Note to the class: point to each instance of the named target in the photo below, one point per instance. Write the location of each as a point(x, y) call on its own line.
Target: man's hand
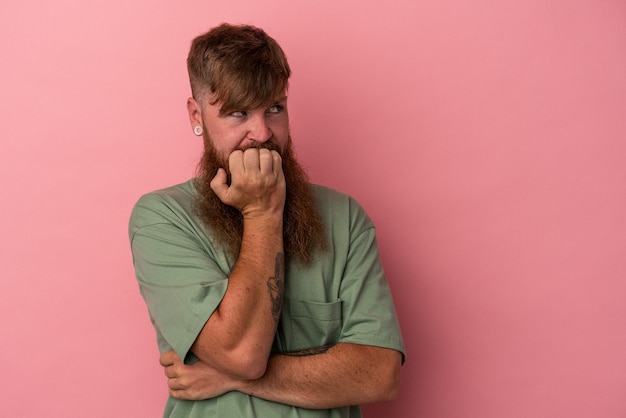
point(193, 382)
point(257, 182)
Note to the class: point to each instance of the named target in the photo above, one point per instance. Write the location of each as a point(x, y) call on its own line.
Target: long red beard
point(304, 234)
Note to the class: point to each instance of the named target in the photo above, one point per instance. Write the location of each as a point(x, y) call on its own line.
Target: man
point(266, 292)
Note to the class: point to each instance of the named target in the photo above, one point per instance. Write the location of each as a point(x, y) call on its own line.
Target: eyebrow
point(278, 99)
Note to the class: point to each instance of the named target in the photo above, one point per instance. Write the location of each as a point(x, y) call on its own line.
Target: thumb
point(219, 184)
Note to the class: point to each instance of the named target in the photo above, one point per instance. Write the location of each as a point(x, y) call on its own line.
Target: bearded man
point(266, 292)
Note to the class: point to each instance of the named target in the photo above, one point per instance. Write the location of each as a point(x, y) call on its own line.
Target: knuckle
point(251, 152)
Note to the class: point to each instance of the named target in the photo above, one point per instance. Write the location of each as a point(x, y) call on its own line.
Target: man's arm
point(237, 338)
point(345, 374)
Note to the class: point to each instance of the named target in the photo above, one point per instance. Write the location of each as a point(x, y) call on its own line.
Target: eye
point(277, 108)
point(238, 113)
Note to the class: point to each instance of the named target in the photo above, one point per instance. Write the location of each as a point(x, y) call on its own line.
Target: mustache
point(263, 145)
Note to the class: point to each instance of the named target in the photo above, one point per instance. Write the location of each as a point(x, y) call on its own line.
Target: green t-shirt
point(342, 296)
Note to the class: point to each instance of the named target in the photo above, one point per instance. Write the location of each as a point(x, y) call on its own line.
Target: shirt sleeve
point(180, 282)
point(369, 315)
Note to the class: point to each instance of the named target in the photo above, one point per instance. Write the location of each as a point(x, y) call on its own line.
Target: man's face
point(242, 128)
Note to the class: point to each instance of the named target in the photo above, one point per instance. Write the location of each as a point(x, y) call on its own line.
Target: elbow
point(391, 389)
point(251, 367)
point(388, 390)
point(389, 386)
point(248, 362)
point(239, 364)
point(240, 361)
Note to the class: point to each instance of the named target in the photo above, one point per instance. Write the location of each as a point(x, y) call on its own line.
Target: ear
point(195, 112)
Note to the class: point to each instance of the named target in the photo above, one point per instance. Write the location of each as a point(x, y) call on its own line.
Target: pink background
point(486, 138)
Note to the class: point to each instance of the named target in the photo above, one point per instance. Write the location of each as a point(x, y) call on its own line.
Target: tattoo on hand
point(276, 286)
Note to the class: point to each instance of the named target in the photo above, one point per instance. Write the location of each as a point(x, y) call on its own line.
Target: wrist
point(249, 387)
point(264, 221)
point(266, 215)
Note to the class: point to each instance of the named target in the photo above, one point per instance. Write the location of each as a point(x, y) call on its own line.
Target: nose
point(259, 130)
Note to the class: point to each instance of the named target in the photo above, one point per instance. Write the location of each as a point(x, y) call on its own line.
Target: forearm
point(238, 336)
point(345, 374)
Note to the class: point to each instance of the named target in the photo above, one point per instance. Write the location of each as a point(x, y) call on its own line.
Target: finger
point(168, 358)
point(174, 384)
point(251, 160)
point(170, 372)
point(266, 161)
point(277, 164)
point(219, 183)
point(180, 394)
point(235, 162)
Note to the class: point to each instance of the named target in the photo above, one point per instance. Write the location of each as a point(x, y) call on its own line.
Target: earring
point(197, 130)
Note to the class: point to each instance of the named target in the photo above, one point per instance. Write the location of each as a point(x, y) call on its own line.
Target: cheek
point(281, 131)
point(226, 141)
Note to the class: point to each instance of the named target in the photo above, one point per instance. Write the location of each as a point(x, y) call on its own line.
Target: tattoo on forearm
point(276, 286)
point(309, 351)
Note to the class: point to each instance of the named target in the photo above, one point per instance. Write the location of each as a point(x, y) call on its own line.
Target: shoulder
point(328, 196)
point(164, 205)
point(339, 208)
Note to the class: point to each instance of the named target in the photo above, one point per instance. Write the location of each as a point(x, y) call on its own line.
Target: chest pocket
point(307, 324)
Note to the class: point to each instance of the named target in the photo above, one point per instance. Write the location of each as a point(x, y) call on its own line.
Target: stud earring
point(197, 130)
